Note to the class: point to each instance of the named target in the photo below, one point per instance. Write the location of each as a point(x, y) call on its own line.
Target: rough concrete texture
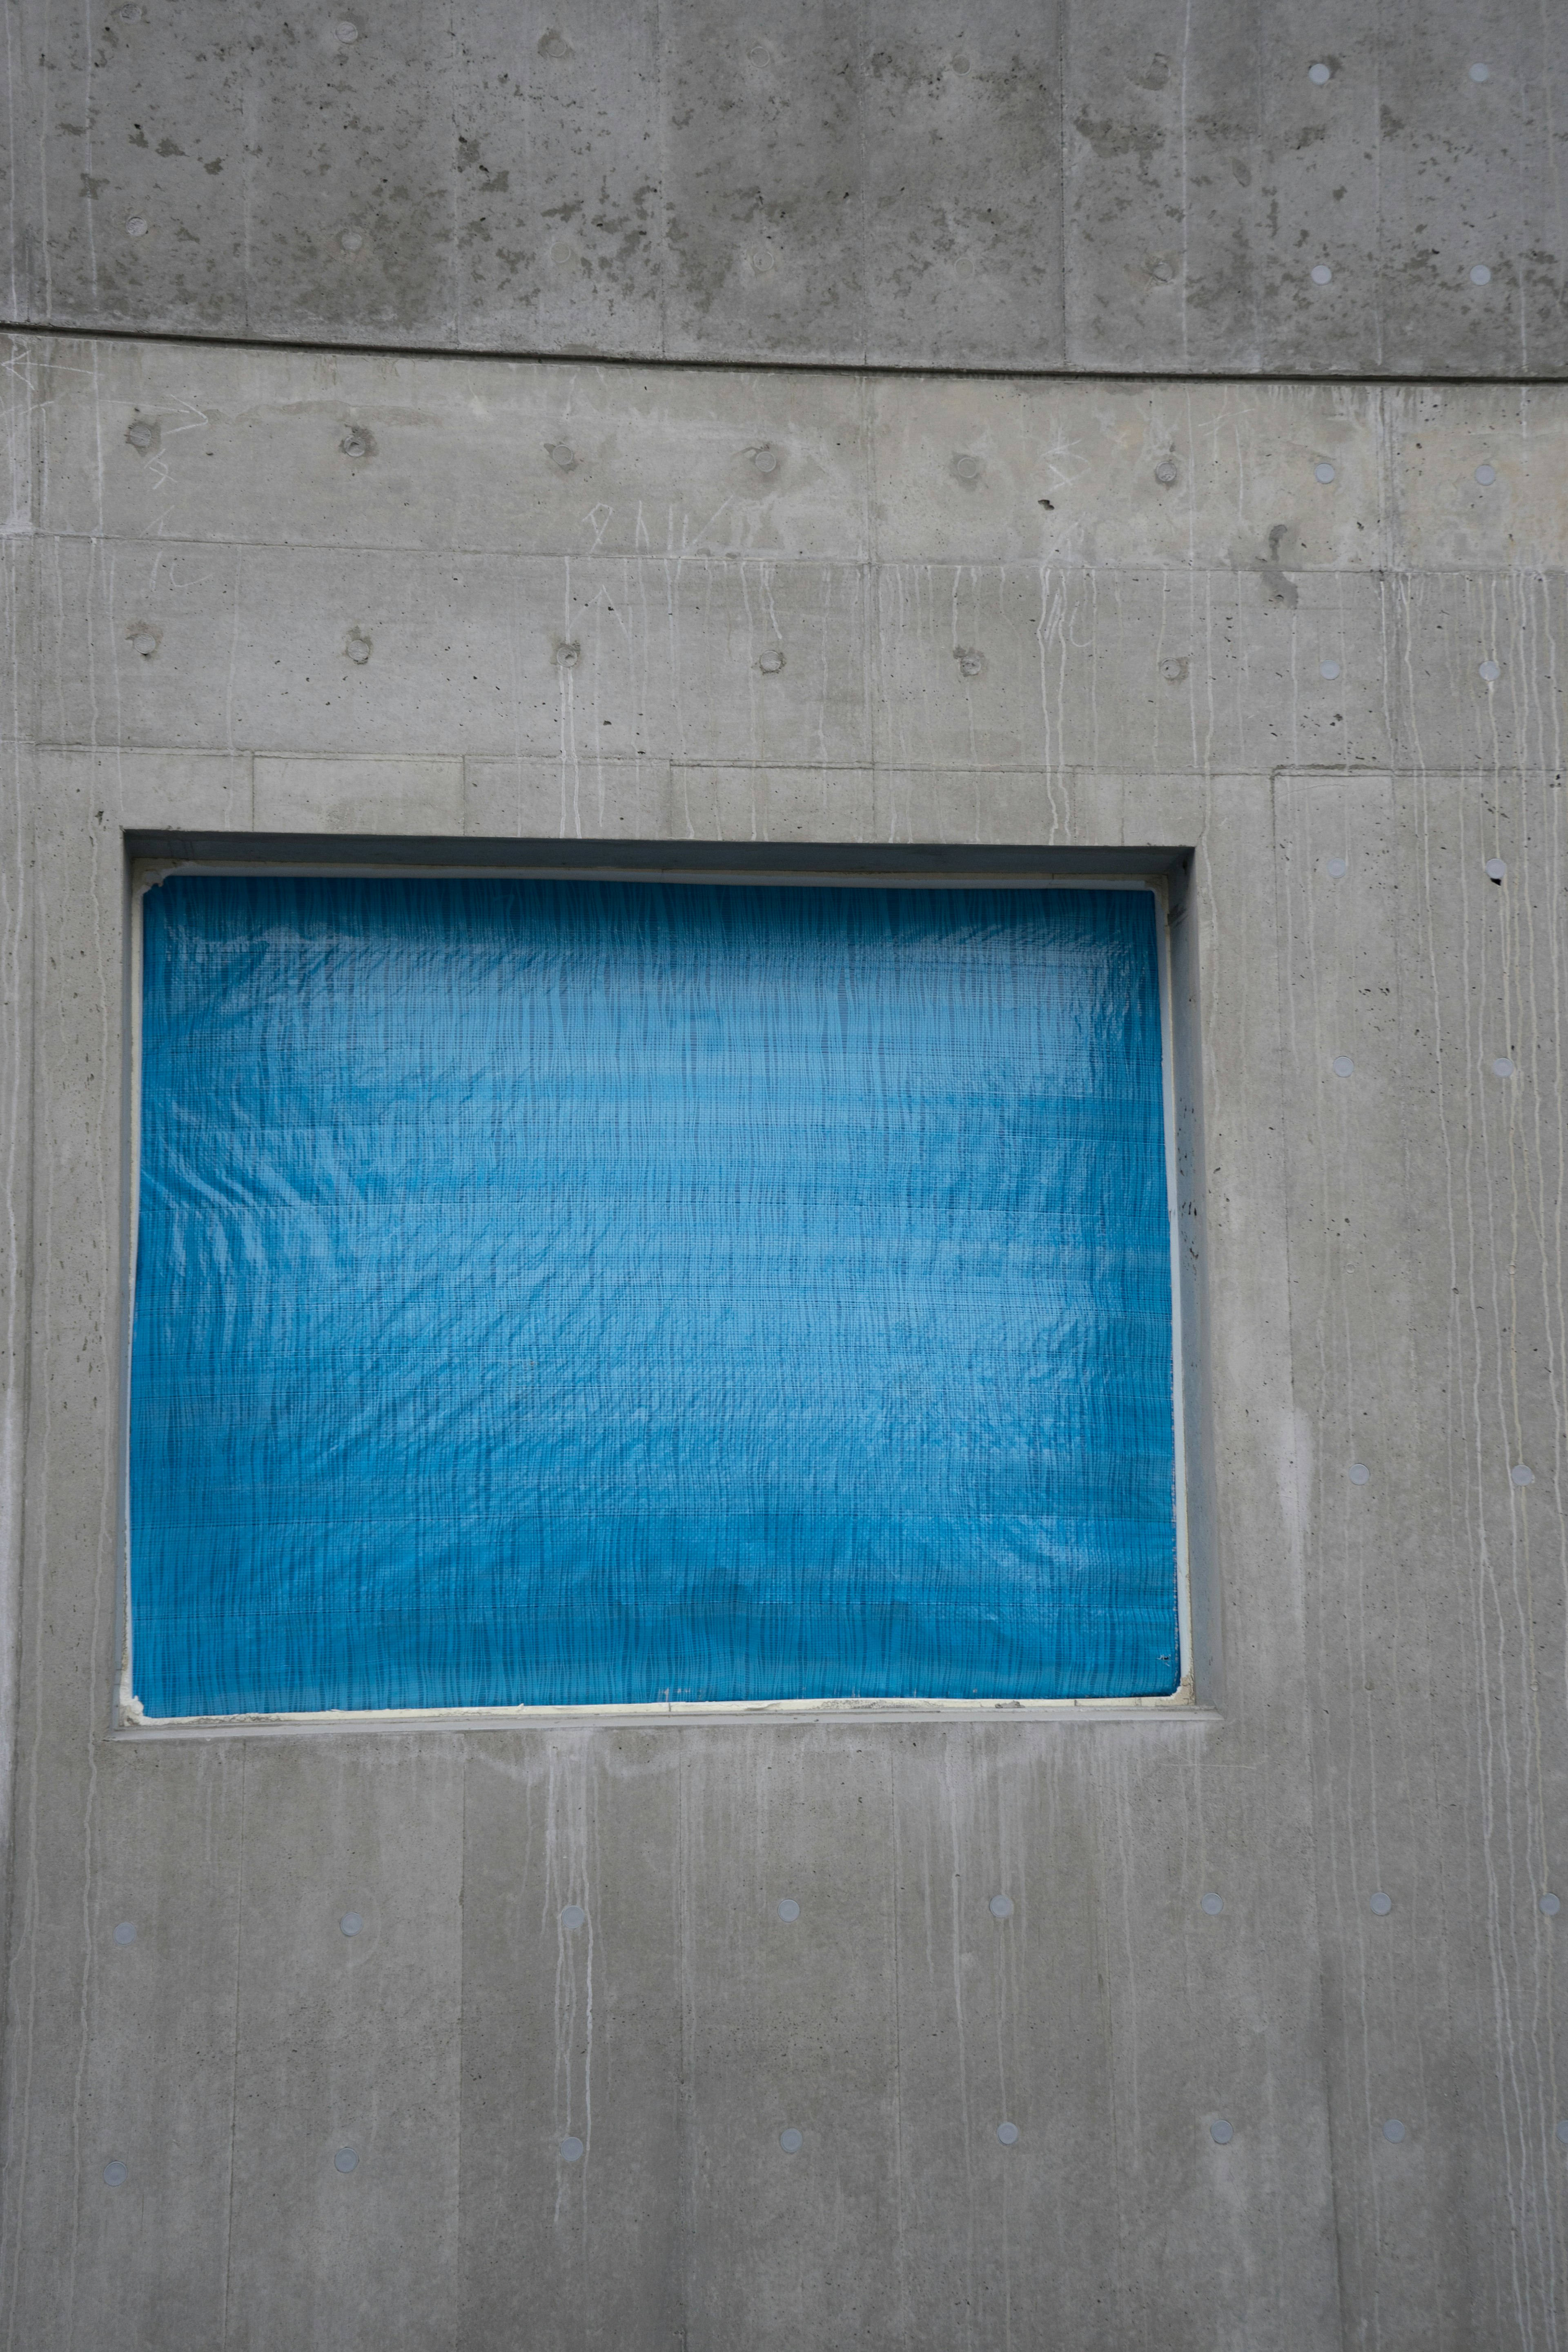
point(1376, 1256)
point(1064, 186)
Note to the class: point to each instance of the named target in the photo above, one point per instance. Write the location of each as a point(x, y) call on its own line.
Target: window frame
point(1162, 873)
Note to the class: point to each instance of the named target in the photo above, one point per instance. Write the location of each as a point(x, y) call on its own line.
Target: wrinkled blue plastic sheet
point(575, 1291)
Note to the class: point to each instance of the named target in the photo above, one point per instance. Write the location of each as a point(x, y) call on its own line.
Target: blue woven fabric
point(580, 1291)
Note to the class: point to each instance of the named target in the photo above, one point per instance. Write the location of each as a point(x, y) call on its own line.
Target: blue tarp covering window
point(576, 1291)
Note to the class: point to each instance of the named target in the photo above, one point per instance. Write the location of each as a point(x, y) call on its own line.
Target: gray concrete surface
point(1065, 186)
point(1376, 1277)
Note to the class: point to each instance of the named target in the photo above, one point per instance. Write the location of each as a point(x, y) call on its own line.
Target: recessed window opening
point(556, 1292)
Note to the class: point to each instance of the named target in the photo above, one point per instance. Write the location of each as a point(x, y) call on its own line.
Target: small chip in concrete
point(773, 661)
point(1008, 2134)
point(1222, 2133)
point(1337, 867)
point(789, 1909)
point(1394, 2129)
point(1485, 476)
point(1001, 1907)
point(1318, 73)
point(1480, 275)
point(115, 2173)
point(345, 2159)
point(1358, 1474)
point(136, 225)
point(573, 1915)
point(1502, 1067)
point(1480, 73)
point(1321, 274)
point(766, 459)
point(1344, 1066)
point(126, 1932)
point(1382, 1905)
point(1491, 670)
point(571, 2150)
point(351, 1923)
point(1214, 1905)
point(791, 2141)
point(1323, 471)
point(1523, 1475)
point(1496, 869)
point(1328, 669)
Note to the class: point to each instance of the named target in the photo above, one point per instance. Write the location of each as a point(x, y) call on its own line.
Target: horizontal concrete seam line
point(1396, 770)
point(1402, 770)
point(742, 365)
point(407, 547)
point(422, 760)
point(718, 559)
point(554, 760)
point(66, 747)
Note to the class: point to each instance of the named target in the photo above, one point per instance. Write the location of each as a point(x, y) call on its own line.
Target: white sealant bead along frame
point(129, 1722)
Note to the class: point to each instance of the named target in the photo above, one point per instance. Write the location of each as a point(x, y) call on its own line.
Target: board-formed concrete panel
point(894, 589)
point(1063, 186)
point(364, 654)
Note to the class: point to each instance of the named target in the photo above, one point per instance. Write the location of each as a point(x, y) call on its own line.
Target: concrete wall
point(1378, 1258)
point(318, 600)
point(1065, 185)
